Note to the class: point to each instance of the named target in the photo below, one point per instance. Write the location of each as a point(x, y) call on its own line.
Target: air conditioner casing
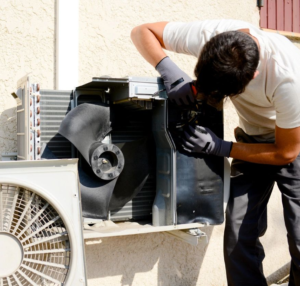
point(54, 182)
point(156, 203)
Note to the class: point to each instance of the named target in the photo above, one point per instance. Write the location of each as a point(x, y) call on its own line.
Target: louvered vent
point(54, 107)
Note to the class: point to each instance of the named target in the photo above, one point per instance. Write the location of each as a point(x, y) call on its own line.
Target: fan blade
point(84, 125)
point(95, 193)
point(139, 156)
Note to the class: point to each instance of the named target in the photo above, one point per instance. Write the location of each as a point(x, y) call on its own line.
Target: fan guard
point(35, 247)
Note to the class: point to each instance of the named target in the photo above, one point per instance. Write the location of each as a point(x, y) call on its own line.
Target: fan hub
point(107, 161)
point(11, 254)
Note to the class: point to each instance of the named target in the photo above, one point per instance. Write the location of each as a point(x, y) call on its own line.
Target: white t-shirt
point(273, 97)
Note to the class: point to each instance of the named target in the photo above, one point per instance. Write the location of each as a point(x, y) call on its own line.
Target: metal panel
point(25, 140)
point(165, 202)
point(296, 16)
point(124, 89)
point(272, 14)
point(288, 5)
point(54, 106)
point(264, 15)
point(281, 15)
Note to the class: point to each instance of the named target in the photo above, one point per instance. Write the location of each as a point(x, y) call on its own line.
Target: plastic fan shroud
point(34, 241)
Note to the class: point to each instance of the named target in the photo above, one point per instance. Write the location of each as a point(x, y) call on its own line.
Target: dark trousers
point(246, 219)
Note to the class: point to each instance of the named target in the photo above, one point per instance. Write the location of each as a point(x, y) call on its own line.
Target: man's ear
point(255, 74)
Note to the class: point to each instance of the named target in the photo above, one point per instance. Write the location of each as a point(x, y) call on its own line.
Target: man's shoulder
point(213, 24)
point(190, 37)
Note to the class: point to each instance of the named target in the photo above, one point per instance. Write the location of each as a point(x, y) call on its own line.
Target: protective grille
point(41, 232)
point(134, 124)
point(140, 207)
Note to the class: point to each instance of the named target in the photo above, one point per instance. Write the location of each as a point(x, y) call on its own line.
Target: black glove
point(203, 140)
point(177, 83)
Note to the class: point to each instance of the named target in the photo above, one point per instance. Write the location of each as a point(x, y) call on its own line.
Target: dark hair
point(225, 66)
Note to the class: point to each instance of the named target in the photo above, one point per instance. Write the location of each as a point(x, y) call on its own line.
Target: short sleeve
point(184, 38)
point(190, 38)
point(286, 101)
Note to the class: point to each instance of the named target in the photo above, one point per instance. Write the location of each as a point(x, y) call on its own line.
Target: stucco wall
point(27, 44)
point(27, 41)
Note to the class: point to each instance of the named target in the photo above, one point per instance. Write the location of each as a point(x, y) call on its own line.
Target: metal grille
point(140, 207)
point(137, 124)
point(31, 221)
point(54, 107)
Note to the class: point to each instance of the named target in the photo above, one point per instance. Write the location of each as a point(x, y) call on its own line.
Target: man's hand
point(203, 140)
point(177, 83)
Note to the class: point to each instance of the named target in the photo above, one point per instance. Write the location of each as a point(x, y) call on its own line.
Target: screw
point(105, 148)
point(120, 166)
point(95, 157)
point(98, 171)
point(110, 175)
point(117, 153)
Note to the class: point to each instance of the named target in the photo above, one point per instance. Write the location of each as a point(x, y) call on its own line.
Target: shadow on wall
point(139, 259)
point(8, 133)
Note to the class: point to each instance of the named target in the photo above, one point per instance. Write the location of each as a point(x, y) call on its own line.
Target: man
point(260, 72)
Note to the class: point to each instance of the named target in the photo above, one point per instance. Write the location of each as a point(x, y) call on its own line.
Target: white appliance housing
point(41, 241)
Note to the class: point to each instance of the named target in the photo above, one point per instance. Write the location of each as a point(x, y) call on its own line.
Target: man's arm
point(285, 149)
point(148, 39)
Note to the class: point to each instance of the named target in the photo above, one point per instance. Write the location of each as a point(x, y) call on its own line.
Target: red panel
point(280, 15)
point(288, 15)
point(272, 14)
point(296, 12)
point(264, 15)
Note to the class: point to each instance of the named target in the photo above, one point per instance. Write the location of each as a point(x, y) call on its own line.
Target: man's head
point(225, 66)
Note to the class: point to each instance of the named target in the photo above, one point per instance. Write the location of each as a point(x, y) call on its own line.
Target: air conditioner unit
point(157, 183)
point(41, 241)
